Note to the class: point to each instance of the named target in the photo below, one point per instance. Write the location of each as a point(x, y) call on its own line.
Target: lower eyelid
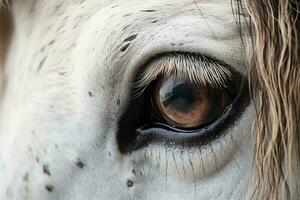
point(167, 135)
point(190, 163)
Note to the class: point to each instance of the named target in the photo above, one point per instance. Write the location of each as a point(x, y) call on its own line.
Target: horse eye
point(186, 105)
point(181, 99)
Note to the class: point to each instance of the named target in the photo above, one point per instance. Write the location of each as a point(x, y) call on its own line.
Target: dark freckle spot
point(37, 159)
point(153, 22)
point(128, 14)
point(133, 171)
point(46, 170)
point(90, 93)
point(123, 48)
point(137, 172)
point(79, 164)
point(56, 146)
point(41, 64)
point(74, 44)
point(126, 27)
point(49, 187)
point(130, 38)
point(118, 102)
point(51, 42)
point(114, 6)
point(32, 8)
point(57, 6)
point(62, 73)
point(109, 154)
point(148, 10)
point(173, 44)
point(129, 183)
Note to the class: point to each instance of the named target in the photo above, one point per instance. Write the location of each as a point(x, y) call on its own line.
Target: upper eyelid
point(195, 68)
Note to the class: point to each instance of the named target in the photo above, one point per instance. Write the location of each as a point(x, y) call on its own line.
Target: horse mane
point(274, 75)
point(5, 28)
point(5, 35)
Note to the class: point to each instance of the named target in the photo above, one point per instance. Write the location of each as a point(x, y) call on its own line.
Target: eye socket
point(181, 99)
point(186, 105)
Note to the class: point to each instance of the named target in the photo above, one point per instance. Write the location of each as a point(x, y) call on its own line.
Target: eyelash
point(196, 68)
point(135, 134)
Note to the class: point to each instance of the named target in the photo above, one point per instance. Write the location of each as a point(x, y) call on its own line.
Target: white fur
point(61, 51)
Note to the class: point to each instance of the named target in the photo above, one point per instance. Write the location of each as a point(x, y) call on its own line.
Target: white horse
point(83, 79)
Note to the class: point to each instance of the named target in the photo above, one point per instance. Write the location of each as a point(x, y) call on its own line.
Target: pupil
point(177, 94)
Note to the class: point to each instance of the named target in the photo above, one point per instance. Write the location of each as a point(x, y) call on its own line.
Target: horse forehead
point(67, 35)
point(67, 19)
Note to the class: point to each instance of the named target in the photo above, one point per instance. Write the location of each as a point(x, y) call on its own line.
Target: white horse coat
point(68, 76)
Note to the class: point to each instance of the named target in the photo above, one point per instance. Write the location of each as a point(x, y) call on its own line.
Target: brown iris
point(186, 105)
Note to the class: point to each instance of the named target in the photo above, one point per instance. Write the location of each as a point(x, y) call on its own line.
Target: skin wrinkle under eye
point(190, 156)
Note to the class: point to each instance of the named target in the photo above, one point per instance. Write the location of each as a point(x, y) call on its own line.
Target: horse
point(130, 99)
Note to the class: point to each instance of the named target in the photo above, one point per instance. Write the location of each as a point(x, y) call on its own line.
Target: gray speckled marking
point(86, 54)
